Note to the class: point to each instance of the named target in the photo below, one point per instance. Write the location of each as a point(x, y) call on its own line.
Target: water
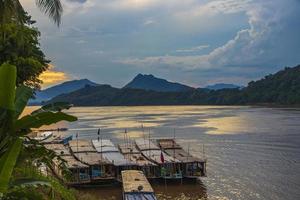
point(252, 152)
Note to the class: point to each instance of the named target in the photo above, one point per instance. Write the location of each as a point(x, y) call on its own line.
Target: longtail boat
point(193, 167)
point(131, 153)
point(170, 168)
point(79, 170)
point(101, 169)
point(111, 153)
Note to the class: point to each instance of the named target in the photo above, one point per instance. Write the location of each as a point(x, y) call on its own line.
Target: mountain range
point(281, 88)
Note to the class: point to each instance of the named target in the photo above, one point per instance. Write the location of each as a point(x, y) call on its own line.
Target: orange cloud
point(52, 77)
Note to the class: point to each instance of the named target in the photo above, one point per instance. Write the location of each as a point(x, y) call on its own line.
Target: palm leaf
point(52, 8)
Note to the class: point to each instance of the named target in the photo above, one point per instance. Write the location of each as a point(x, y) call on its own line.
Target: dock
point(136, 186)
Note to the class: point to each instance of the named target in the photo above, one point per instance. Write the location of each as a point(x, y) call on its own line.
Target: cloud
point(52, 77)
point(193, 49)
point(253, 46)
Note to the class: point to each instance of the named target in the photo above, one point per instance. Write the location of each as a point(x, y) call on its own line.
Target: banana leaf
point(23, 94)
point(44, 118)
point(7, 163)
point(54, 107)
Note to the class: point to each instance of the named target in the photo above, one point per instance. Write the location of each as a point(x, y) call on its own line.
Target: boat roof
point(168, 144)
point(91, 158)
point(72, 163)
point(103, 143)
point(116, 158)
point(140, 196)
point(139, 159)
point(134, 181)
point(155, 156)
point(104, 146)
point(81, 145)
point(59, 149)
point(182, 155)
point(145, 144)
point(128, 149)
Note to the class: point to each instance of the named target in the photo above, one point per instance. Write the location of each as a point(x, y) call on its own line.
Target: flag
point(162, 159)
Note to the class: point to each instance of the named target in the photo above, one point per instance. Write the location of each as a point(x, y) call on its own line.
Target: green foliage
point(14, 129)
point(19, 46)
point(12, 10)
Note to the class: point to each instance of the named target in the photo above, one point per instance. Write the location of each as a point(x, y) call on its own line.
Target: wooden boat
point(193, 167)
point(43, 136)
point(101, 169)
point(111, 153)
point(170, 168)
point(131, 153)
point(79, 170)
point(136, 186)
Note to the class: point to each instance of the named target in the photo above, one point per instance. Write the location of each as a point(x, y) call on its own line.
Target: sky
point(195, 42)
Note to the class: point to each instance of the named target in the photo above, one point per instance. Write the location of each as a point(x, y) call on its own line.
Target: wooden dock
point(136, 186)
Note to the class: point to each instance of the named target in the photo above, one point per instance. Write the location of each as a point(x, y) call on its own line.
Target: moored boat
point(110, 152)
point(192, 166)
point(136, 186)
point(131, 153)
point(101, 169)
point(170, 168)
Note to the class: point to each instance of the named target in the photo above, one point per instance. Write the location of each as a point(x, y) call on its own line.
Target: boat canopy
point(104, 146)
point(59, 149)
point(81, 146)
point(145, 144)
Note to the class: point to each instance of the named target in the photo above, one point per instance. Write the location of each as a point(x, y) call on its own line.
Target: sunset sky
point(196, 42)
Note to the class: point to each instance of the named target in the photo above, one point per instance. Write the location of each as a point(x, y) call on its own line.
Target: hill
point(220, 86)
point(65, 87)
point(150, 82)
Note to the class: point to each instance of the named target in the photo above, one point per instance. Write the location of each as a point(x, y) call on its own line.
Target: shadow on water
point(177, 191)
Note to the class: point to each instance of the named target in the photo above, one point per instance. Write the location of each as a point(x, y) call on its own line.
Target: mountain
point(150, 82)
point(281, 88)
point(65, 87)
point(220, 86)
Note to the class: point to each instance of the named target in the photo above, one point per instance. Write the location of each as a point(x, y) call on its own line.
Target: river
point(252, 152)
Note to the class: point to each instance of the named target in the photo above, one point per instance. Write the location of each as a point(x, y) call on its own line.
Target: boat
point(170, 168)
point(193, 167)
point(136, 186)
point(43, 136)
point(131, 153)
point(110, 152)
point(101, 169)
point(79, 171)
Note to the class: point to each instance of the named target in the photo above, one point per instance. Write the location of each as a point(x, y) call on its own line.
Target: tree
point(19, 45)
point(13, 128)
point(12, 10)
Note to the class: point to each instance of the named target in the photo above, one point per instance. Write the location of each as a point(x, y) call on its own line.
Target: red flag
point(162, 159)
